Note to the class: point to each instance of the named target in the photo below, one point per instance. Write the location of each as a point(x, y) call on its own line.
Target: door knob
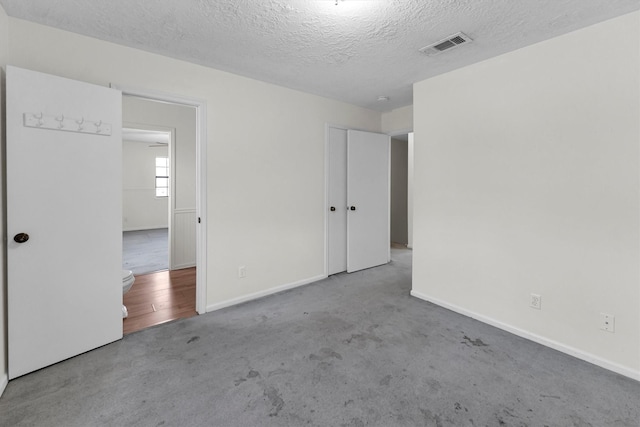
point(21, 237)
point(353, 208)
point(332, 209)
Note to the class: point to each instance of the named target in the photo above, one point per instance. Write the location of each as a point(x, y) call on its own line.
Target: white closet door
point(64, 163)
point(337, 224)
point(368, 200)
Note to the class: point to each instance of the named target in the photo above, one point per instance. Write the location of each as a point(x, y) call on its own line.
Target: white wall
point(183, 120)
point(4, 53)
point(141, 209)
point(265, 160)
point(526, 181)
point(398, 120)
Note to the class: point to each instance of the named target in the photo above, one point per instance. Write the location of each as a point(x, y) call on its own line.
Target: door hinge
point(198, 220)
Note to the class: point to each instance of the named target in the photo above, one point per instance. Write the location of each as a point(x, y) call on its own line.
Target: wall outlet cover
point(535, 301)
point(607, 322)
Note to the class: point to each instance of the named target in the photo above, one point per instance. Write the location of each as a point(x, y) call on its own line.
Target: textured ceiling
point(354, 52)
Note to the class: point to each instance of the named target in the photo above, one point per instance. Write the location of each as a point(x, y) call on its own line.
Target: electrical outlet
point(607, 322)
point(535, 301)
point(242, 271)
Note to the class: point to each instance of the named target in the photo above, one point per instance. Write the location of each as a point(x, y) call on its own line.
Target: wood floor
point(160, 297)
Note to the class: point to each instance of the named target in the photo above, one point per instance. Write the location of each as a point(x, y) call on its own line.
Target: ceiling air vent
point(448, 43)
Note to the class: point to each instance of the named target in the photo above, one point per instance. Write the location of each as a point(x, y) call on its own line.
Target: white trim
point(388, 198)
point(588, 357)
point(261, 294)
point(326, 198)
point(172, 195)
point(183, 266)
point(410, 187)
point(344, 127)
point(400, 132)
point(201, 178)
point(4, 380)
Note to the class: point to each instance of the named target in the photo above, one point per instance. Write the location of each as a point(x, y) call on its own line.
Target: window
point(162, 177)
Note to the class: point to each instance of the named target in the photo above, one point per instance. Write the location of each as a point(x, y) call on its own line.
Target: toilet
point(127, 282)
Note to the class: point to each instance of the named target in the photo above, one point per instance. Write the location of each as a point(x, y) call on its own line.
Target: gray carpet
point(352, 350)
point(145, 251)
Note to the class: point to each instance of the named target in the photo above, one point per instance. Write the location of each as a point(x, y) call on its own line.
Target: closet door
point(358, 200)
point(337, 198)
point(64, 213)
point(368, 243)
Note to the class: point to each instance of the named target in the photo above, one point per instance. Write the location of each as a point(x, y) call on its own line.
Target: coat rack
point(67, 124)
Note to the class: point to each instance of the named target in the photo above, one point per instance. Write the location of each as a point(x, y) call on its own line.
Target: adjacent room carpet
point(351, 350)
point(145, 251)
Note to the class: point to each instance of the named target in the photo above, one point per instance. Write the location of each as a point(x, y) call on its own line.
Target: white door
point(337, 182)
point(368, 242)
point(358, 200)
point(64, 151)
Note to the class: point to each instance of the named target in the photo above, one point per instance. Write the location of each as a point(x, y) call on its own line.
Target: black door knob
point(332, 209)
point(21, 237)
point(353, 208)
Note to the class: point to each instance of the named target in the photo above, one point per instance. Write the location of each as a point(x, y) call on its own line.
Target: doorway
point(399, 235)
point(401, 211)
point(357, 200)
point(159, 210)
point(186, 273)
point(75, 129)
point(146, 177)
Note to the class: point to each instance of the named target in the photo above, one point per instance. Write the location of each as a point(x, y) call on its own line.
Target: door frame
point(201, 178)
point(409, 182)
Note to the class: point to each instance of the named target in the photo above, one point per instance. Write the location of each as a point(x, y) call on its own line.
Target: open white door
point(64, 151)
point(368, 242)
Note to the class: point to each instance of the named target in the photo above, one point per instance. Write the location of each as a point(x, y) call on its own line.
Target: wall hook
point(68, 124)
point(60, 121)
point(39, 118)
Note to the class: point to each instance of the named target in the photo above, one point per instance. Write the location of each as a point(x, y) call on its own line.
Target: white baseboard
point(183, 266)
point(588, 357)
point(256, 295)
point(4, 380)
